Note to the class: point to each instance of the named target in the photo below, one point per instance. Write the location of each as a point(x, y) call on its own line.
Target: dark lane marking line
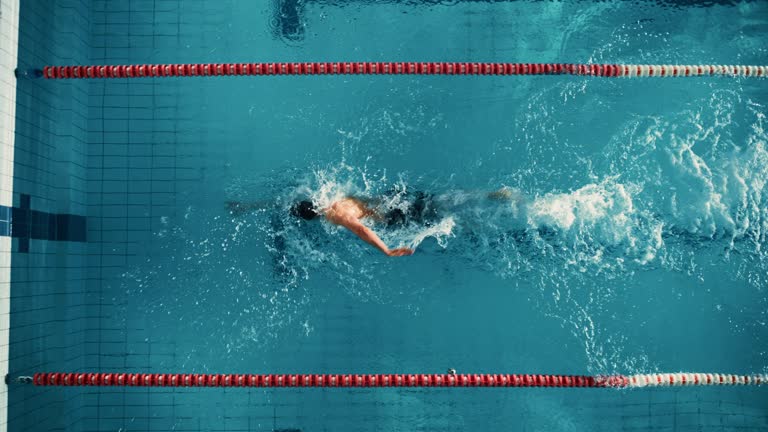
point(24, 223)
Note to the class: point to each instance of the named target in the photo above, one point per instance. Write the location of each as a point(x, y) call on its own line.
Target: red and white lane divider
point(396, 380)
point(399, 68)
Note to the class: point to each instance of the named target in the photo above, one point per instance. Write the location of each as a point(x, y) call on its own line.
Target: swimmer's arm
point(370, 237)
point(238, 208)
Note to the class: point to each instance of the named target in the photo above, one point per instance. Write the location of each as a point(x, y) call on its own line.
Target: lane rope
point(69, 379)
point(398, 68)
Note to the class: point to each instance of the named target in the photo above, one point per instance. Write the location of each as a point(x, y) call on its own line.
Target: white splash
point(439, 232)
point(605, 208)
point(595, 217)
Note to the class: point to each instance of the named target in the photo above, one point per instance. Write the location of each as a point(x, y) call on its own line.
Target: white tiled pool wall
point(9, 29)
point(9, 22)
point(49, 309)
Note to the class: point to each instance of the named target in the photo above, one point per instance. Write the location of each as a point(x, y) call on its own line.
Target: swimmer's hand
point(399, 252)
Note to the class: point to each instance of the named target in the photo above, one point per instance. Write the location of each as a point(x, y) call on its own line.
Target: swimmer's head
point(305, 210)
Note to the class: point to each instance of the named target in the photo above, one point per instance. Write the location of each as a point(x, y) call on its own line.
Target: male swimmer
point(349, 212)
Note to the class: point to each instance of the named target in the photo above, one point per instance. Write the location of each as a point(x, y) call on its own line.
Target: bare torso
point(347, 208)
point(348, 212)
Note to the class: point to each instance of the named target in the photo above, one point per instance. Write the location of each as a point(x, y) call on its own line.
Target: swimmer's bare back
point(348, 212)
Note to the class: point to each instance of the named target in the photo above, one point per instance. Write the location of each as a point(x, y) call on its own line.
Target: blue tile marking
point(25, 224)
point(21, 227)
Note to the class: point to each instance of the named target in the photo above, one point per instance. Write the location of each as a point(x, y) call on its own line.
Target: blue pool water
point(636, 241)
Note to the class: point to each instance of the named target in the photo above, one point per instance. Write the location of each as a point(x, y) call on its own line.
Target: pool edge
point(9, 27)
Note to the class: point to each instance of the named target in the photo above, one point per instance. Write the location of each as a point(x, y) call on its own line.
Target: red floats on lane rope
point(69, 379)
point(398, 68)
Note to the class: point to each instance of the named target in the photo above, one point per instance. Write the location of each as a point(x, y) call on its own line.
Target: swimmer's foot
point(503, 194)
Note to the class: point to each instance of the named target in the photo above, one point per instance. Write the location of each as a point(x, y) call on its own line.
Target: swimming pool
point(636, 244)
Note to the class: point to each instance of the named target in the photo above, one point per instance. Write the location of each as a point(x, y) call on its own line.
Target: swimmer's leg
point(511, 199)
point(505, 194)
point(238, 208)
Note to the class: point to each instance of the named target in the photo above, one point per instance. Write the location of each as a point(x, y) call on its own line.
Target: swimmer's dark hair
point(305, 210)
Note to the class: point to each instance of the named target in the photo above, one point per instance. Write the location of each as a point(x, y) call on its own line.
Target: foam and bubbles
point(603, 213)
point(699, 178)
